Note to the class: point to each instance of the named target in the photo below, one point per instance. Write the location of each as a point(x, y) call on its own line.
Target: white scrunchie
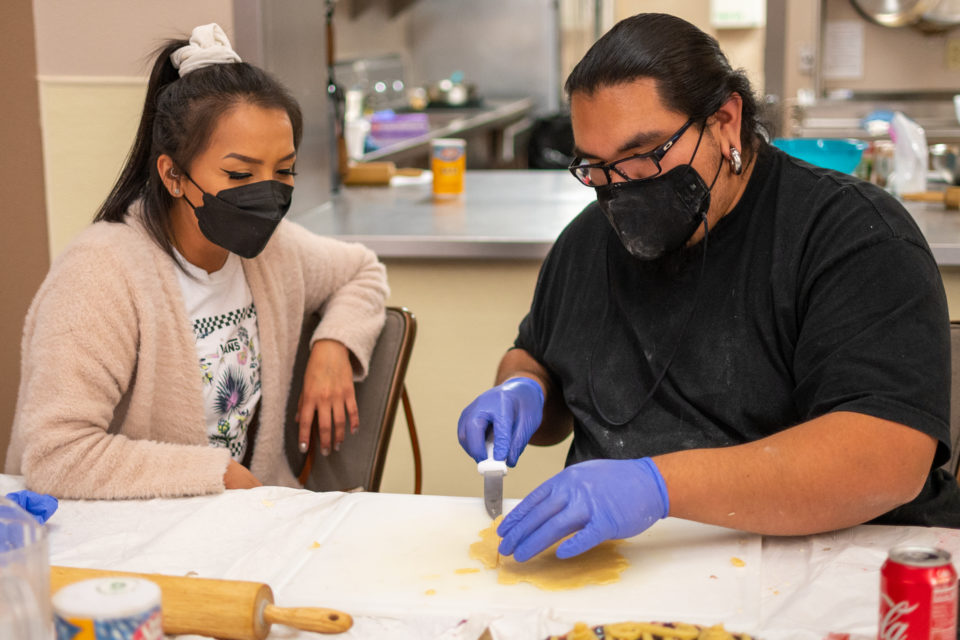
point(208, 45)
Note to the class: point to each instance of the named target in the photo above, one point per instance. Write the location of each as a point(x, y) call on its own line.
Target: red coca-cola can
point(918, 595)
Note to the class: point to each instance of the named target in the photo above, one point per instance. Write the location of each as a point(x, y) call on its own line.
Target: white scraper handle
point(490, 465)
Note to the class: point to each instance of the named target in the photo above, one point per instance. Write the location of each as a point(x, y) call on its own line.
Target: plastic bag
point(910, 155)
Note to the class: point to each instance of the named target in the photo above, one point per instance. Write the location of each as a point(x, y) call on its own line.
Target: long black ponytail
point(179, 115)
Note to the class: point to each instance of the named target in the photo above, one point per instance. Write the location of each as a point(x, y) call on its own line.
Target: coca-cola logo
point(891, 625)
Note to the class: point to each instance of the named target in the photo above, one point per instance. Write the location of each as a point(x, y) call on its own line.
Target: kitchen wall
point(743, 47)
point(366, 30)
point(483, 40)
point(902, 59)
point(92, 64)
point(800, 46)
point(467, 315)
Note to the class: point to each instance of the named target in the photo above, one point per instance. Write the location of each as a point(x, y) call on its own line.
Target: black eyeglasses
point(640, 166)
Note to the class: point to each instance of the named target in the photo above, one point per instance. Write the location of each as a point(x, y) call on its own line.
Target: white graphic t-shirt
point(224, 321)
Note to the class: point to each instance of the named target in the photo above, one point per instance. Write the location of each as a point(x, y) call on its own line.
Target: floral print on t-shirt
point(230, 370)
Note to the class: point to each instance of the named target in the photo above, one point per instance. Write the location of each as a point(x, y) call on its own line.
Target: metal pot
point(894, 13)
point(926, 15)
point(943, 17)
point(454, 94)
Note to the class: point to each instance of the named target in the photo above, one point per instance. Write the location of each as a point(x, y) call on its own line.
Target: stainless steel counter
point(503, 215)
point(941, 228)
point(507, 215)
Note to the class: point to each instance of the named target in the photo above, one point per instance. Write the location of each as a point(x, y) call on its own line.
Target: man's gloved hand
point(514, 408)
point(39, 505)
point(601, 499)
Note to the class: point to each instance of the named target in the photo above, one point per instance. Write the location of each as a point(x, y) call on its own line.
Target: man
point(733, 336)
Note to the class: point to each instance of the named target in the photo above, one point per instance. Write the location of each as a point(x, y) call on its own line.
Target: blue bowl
point(839, 155)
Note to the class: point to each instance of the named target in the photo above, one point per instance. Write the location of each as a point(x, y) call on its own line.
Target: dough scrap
point(601, 565)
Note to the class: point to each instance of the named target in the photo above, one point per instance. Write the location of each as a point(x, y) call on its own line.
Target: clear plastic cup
point(25, 609)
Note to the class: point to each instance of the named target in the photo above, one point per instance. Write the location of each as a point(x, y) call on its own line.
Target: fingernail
point(354, 429)
point(325, 451)
point(336, 447)
point(303, 447)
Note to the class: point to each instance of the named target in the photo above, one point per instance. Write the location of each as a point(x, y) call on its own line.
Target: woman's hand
point(328, 393)
point(238, 476)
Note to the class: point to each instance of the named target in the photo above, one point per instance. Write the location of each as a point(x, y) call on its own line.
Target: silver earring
point(735, 162)
point(176, 191)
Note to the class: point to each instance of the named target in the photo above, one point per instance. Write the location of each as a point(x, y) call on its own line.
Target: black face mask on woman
point(242, 219)
point(656, 216)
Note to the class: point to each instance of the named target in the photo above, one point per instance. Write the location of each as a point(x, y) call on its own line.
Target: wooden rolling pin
point(369, 174)
point(361, 174)
point(950, 198)
point(230, 609)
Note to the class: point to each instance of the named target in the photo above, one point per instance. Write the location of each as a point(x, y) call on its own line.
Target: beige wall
point(467, 315)
point(897, 59)
point(88, 127)
point(23, 243)
point(92, 61)
point(801, 38)
point(951, 282)
point(366, 29)
point(115, 37)
point(743, 47)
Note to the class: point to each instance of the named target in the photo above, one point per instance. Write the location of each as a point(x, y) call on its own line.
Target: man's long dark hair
point(179, 116)
point(693, 75)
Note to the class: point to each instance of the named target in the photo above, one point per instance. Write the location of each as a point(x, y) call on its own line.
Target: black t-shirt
point(818, 293)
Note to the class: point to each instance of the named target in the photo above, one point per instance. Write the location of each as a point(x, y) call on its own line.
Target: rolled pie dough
point(602, 564)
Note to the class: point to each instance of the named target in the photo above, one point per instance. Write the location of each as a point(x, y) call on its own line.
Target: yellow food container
point(448, 163)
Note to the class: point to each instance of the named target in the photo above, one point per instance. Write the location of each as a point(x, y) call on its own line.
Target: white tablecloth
point(304, 545)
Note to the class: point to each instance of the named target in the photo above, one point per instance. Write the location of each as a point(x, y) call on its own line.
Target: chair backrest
point(954, 398)
point(359, 463)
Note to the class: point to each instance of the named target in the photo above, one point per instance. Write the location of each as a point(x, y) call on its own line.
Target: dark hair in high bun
point(179, 116)
point(693, 75)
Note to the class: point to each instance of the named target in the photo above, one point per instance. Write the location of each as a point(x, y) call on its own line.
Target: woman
point(157, 353)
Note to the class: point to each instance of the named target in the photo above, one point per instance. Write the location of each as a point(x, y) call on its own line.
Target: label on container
point(448, 163)
point(108, 609)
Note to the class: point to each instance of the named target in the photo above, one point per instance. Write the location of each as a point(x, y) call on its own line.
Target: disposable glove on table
point(13, 531)
point(514, 409)
point(599, 499)
point(40, 505)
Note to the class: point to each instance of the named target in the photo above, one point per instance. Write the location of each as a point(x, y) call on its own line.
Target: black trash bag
point(551, 142)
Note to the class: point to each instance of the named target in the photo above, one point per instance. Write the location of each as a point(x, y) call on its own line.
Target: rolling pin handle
point(316, 619)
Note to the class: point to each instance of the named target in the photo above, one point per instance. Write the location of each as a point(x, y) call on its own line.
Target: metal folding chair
point(954, 398)
point(359, 463)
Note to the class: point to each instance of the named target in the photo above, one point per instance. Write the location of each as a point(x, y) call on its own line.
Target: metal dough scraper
point(493, 472)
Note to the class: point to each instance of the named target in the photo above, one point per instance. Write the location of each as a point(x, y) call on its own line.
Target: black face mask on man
point(242, 219)
point(658, 215)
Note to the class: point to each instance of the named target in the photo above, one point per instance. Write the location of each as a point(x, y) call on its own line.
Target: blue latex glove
point(514, 408)
point(601, 499)
point(39, 505)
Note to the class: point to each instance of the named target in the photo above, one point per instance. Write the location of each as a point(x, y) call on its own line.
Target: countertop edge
point(406, 247)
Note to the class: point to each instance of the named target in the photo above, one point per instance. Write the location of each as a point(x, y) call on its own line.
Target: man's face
point(618, 121)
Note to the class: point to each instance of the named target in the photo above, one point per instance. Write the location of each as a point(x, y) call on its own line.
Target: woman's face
point(248, 144)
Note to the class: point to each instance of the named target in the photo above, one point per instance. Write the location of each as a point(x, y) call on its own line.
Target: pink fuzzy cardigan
point(110, 397)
